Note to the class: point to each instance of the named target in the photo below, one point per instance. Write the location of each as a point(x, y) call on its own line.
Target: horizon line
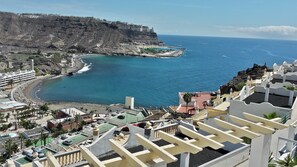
point(237, 37)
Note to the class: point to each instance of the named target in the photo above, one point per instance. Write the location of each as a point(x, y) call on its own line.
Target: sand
point(24, 93)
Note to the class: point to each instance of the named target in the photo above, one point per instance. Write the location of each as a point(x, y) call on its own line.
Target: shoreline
point(24, 92)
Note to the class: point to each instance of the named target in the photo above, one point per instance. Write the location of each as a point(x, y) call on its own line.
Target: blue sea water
point(207, 63)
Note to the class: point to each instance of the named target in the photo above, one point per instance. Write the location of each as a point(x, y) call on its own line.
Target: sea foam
point(86, 68)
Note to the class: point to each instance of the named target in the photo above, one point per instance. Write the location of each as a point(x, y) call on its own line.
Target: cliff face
point(256, 72)
point(64, 33)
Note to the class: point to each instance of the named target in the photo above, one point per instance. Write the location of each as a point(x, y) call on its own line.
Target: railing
point(65, 159)
point(285, 148)
point(170, 129)
point(286, 117)
point(230, 159)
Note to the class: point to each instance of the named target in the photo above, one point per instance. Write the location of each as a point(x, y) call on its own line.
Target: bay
point(207, 63)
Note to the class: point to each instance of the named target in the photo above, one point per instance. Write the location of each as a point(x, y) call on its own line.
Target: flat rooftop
point(35, 131)
point(72, 111)
point(276, 100)
point(8, 104)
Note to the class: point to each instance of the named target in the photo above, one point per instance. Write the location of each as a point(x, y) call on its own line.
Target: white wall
point(277, 76)
point(238, 107)
point(129, 102)
point(291, 77)
point(277, 91)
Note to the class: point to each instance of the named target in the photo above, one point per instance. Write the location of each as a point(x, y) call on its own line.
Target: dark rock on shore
point(256, 72)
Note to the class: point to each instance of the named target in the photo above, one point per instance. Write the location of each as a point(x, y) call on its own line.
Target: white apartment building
point(19, 76)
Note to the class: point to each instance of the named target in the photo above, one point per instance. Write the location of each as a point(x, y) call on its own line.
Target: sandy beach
point(23, 92)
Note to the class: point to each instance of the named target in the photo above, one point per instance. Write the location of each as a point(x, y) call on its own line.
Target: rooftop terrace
point(276, 100)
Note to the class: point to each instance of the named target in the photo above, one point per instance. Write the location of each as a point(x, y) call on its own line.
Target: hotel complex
point(16, 77)
point(232, 130)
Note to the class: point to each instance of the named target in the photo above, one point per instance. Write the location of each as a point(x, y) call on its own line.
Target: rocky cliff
point(256, 72)
point(72, 34)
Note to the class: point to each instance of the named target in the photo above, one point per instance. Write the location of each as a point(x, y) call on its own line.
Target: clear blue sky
point(240, 18)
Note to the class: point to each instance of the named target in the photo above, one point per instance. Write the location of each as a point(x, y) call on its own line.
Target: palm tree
point(21, 137)
point(7, 116)
point(287, 162)
point(35, 141)
point(41, 136)
point(33, 110)
point(44, 108)
point(187, 98)
point(28, 143)
point(8, 147)
point(44, 137)
point(14, 147)
point(1, 117)
point(17, 115)
point(77, 119)
point(10, 82)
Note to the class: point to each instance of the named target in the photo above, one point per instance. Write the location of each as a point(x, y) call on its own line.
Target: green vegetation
point(21, 137)
point(27, 124)
point(155, 50)
point(28, 143)
point(10, 82)
point(247, 140)
point(287, 162)
point(4, 127)
point(57, 131)
point(239, 86)
point(290, 87)
point(43, 138)
point(38, 142)
point(35, 142)
point(271, 115)
point(10, 147)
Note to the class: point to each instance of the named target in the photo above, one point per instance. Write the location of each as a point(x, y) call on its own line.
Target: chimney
point(219, 94)
point(267, 92)
point(247, 87)
point(291, 97)
point(95, 132)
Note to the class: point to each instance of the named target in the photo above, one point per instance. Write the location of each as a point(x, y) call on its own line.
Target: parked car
point(27, 152)
point(30, 157)
point(37, 149)
point(64, 137)
point(41, 155)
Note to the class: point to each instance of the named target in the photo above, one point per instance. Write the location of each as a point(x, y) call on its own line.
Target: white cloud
point(288, 32)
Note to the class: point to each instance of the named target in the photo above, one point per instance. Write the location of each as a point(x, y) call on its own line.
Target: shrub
point(239, 86)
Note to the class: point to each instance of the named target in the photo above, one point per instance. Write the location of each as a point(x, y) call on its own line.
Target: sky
point(225, 18)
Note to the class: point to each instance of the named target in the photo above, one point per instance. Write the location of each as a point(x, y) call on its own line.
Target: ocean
point(207, 63)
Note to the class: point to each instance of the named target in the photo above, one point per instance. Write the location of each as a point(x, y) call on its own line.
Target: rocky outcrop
point(256, 72)
point(72, 34)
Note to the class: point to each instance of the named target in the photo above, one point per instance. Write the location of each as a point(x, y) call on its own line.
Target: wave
point(225, 56)
point(86, 68)
point(269, 53)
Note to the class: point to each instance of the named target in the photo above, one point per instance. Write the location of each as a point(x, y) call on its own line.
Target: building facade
point(20, 76)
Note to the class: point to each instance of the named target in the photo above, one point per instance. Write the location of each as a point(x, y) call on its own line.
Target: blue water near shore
point(207, 63)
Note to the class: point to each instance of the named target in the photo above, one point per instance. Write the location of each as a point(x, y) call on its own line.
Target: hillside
point(28, 32)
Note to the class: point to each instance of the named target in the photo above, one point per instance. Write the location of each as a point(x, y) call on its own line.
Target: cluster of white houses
point(217, 137)
point(16, 77)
